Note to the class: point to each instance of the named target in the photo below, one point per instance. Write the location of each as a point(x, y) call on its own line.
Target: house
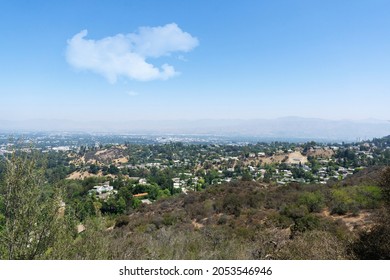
point(176, 180)
point(102, 189)
point(142, 181)
point(305, 167)
point(146, 201)
point(103, 192)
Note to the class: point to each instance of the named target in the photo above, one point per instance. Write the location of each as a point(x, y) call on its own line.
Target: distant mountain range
point(279, 128)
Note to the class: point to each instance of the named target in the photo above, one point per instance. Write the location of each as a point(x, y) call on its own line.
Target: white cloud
point(125, 55)
point(162, 40)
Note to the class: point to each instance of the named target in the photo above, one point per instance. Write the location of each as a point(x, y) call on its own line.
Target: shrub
point(354, 198)
point(295, 211)
point(232, 205)
point(314, 201)
point(374, 244)
point(121, 221)
point(222, 220)
point(341, 202)
point(308, 222)
point(168, 219)
point(255, 199)
point(314, 245)
point(368, 197)
point(280, 221)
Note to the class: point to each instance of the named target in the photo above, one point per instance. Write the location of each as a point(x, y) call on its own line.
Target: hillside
point(248, 220)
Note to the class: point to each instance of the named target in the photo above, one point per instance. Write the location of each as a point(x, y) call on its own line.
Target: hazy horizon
point(193, 119)
point(194, 60)
point(278, 128)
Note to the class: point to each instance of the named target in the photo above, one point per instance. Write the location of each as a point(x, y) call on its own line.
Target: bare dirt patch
point(296, 158)
point(290, 158)
point(121, 160)
point(100, 152)
point(196, 224)
point(323, 152)
point(363, 220)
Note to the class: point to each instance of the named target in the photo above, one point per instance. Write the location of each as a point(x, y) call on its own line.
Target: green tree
point(32, 217)
point(93, 168)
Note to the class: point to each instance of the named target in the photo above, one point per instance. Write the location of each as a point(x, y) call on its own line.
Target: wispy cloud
point(126, 54)
point(182, 58)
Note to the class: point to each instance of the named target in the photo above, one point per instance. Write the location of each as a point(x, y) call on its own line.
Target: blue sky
point(225, 59)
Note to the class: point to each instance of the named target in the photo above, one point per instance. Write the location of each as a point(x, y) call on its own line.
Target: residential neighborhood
point(181, 164)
